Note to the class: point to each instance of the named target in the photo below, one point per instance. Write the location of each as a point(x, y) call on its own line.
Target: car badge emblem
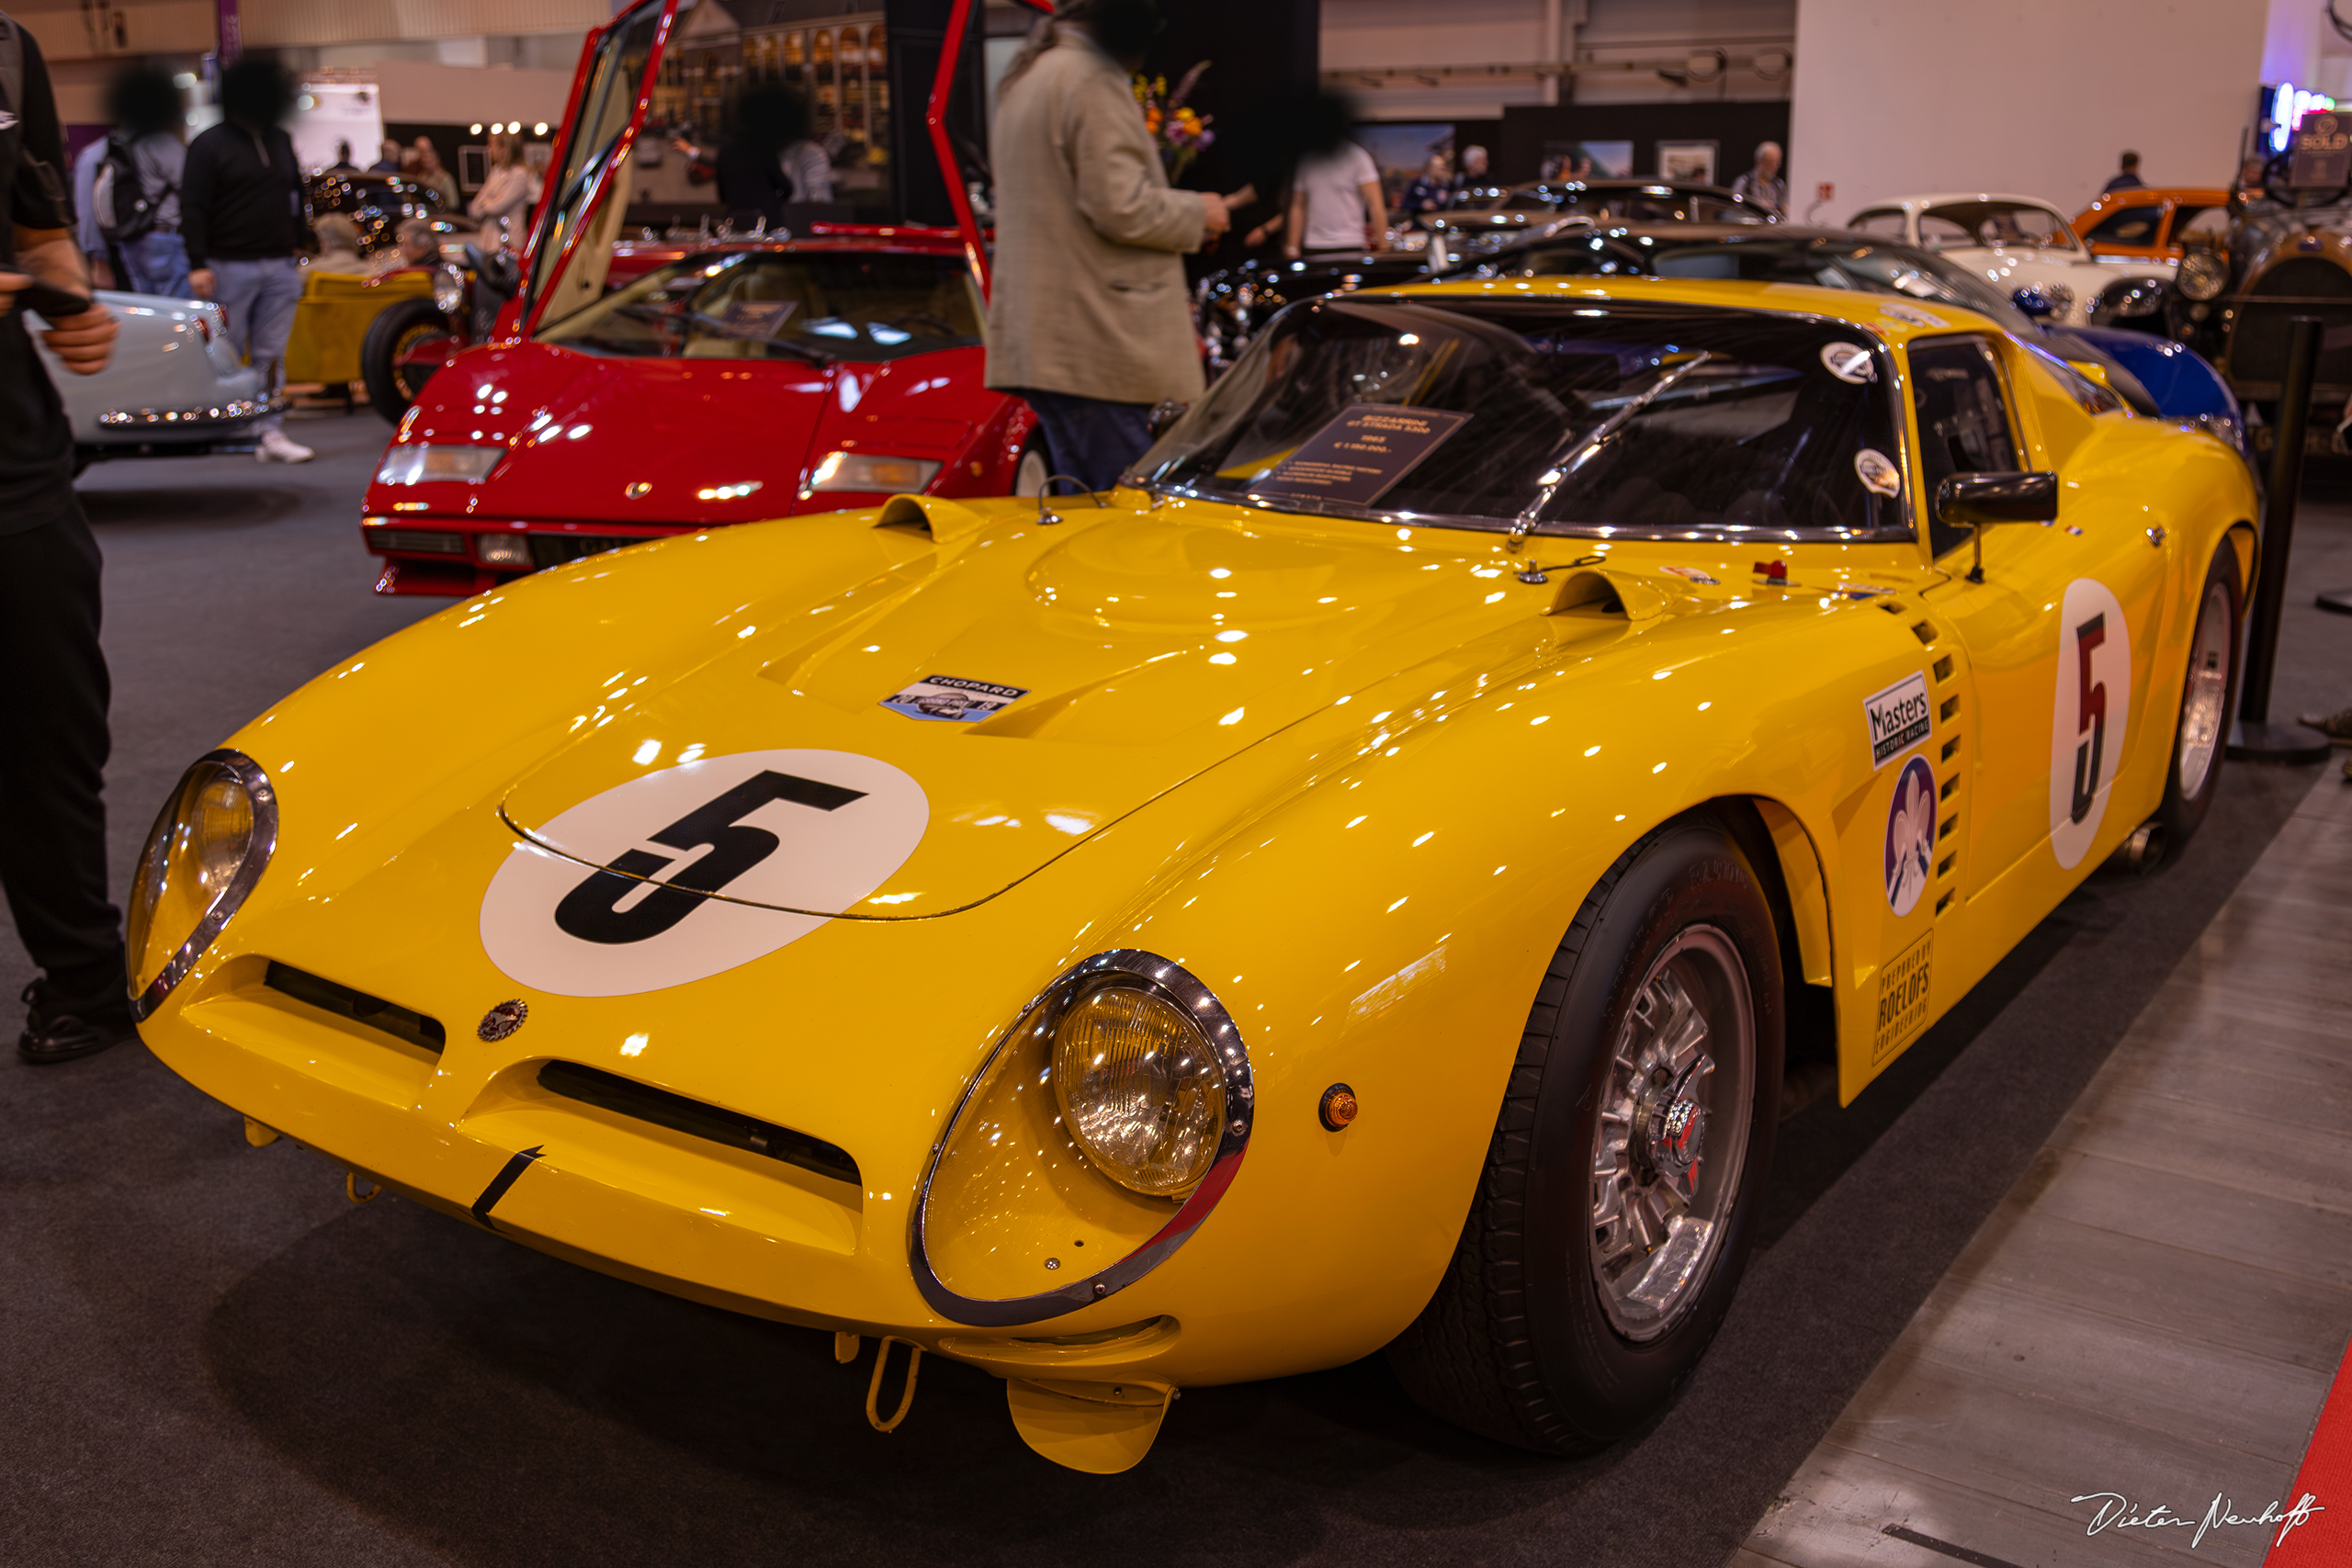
point(635, 488)
point(504, 1020)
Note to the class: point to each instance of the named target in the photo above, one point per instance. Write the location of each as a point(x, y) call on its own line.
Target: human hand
point(83, 343)
point(199, 282)
point(11, 285)
point(1219, 219)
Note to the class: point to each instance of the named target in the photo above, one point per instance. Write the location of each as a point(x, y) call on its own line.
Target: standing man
point(241, 214)
point(54, 700)
point(1088, 320)
point(148, 125)
point(1336, 205)
point(1474, 168)
point(1763, 185)
point(2127, 178)
point(97, 250)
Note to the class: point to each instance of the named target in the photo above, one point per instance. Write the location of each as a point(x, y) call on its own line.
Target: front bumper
point(210, 419)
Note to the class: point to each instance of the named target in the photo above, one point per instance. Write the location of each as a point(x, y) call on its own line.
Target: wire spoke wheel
point(1672, 1133)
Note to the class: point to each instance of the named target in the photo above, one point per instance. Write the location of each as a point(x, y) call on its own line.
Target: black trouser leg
point(53, 745)
point(1089, 439)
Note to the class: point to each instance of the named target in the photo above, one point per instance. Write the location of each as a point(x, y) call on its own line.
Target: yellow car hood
point(1148, 646)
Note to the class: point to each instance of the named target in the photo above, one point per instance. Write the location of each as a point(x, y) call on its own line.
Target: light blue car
point(174, 388)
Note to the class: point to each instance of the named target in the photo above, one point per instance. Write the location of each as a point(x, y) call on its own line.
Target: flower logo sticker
point(1910, 835)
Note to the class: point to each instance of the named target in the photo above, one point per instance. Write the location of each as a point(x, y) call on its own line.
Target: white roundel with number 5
point(691, 871)
point(2087, 716)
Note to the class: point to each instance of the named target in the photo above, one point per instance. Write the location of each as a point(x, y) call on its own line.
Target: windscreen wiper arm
point(1573, 456)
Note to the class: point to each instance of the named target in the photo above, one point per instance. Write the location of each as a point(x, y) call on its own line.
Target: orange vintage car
point(2146, 224)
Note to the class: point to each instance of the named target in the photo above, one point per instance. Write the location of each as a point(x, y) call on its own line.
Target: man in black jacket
point(240, 213)
point(53, 686)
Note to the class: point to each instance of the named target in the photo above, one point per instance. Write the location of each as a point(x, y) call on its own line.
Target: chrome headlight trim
point(2201, 275)
point(448, 290)
point(258, 852)
point(1179, 986)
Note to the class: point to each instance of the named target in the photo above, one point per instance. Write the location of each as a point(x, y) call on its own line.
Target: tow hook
point(874, 1388)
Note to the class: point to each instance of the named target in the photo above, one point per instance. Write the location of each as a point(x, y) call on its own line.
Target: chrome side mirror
point(1978, 501)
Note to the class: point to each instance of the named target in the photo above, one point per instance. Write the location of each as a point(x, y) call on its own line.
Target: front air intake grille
point(371, 1012)
point(2305, 285)
point(643, 1102)
point(554, 549)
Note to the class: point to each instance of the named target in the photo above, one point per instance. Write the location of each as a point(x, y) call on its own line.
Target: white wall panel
point(2037, 96)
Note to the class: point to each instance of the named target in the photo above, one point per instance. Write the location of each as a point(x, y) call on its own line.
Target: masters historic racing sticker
point(1910, 835)
point(951, 698)
point(2087, 715)
point(1898, 718)
point(688, 871)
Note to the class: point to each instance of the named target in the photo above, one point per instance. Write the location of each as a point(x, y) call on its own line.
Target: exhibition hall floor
point(212, 1357)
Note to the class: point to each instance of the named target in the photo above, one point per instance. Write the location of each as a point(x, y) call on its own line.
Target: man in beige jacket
point(1088, 319)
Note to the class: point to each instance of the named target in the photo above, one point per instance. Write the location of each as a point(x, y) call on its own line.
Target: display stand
point(2253, 736)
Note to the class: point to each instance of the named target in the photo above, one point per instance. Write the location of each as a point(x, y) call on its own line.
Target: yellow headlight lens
point(199, 843)
point(1138, 1088)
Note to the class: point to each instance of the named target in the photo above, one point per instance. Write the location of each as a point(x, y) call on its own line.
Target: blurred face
point(1473, 162)
point(1768, 160)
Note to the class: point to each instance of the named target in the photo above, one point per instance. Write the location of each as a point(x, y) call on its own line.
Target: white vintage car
point(174, 388)
point(2019, 244)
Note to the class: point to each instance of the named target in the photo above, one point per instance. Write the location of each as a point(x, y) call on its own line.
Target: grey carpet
point(207, 1356)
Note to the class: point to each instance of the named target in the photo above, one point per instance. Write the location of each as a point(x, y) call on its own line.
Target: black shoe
point(2336, 727)
point(59, 1028)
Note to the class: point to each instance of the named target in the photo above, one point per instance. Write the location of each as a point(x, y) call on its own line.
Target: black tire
point(396, 330)
point(2201, 728)
point(1517, 1344)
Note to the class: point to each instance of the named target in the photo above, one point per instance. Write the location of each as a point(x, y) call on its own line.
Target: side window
point(1963, 421)
point(1885, 221)
point(2184, 217)
point(2127, 226)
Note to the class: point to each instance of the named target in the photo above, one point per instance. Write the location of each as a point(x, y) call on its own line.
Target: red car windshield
point(815, 305)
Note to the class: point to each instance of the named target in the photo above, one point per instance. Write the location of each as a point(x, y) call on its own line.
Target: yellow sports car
point(1363, 882)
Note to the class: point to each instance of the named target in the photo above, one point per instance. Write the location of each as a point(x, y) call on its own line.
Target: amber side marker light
point(1339, 1107)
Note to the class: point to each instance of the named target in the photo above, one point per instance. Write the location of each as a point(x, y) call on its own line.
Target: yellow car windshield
point(1632, 420)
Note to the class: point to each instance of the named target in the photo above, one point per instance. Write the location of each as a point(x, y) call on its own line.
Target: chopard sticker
point(1903, 991)
point(951, 698)
point(1910, 315)
point(1899, 719)
point(688, 871)
point(2087, 715)
point(1848, 362)
point(1910, 835)
point(1692, 573)
point(1879, 475)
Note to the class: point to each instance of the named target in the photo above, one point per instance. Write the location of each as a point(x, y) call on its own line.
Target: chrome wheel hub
point(2202, 716)
point(1681, 1078)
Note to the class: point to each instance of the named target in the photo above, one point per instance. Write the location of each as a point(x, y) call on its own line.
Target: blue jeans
point(260, 297)
point(157, 264)
point(1090, 439)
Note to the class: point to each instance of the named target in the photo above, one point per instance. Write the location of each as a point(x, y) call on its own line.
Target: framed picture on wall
point(1687, 161)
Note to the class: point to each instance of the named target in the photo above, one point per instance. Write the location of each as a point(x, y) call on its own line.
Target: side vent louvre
point(401, 1023)
point(1948, 715)
point(643, 1102)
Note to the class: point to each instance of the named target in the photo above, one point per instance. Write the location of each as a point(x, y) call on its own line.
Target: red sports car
point(750, 380)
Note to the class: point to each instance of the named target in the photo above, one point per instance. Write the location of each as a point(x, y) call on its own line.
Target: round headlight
point(1140, 1089)
point(202, 859)
point(448, 290)
point(2202, 274)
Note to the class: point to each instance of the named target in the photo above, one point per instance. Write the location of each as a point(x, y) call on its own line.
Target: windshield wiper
point(1573, 456)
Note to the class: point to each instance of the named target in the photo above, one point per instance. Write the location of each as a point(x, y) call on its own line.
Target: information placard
point(1360, 455)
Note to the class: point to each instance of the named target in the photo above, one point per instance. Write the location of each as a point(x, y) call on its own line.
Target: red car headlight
point(866, 471)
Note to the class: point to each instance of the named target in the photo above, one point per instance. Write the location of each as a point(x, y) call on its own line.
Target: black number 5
point(592, 911)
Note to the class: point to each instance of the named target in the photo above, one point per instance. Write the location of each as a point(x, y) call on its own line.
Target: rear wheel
point(2199, 738)
point(1612, 1221)
point(1029, 474)
point(405, 343)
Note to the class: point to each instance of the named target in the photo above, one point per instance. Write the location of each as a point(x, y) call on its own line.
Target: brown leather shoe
point(59, 1028)
point(2336, 727)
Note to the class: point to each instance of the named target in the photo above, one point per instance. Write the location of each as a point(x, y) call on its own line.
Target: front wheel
point(2210, 682)
point(406, 343)
point(1612, 1221)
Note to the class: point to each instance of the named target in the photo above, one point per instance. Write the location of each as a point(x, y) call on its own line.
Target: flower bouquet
point(1179, 132)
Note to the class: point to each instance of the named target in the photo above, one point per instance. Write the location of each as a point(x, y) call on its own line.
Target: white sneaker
point(277, 447)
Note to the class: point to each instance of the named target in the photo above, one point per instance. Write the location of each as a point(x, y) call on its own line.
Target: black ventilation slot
point(369, 1012)
point(643, 1102)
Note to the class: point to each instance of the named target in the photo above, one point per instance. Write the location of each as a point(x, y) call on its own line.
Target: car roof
point(1941, 199)
point(1869, 311)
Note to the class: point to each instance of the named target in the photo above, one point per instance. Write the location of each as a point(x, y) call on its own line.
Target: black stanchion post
point(2253, 736)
